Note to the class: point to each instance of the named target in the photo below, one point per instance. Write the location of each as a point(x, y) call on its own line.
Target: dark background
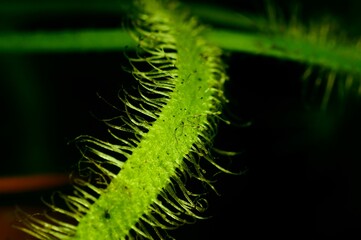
point(302, 165)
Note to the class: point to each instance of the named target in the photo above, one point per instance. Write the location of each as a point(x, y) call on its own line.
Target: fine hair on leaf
point(138, 186)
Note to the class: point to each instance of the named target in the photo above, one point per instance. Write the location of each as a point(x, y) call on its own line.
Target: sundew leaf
point(140, 188)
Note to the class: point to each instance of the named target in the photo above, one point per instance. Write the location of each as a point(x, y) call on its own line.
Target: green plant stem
point(173, 122)
point(341, 58)
point(336, 57)
point(66, 41)
point(223, 16)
